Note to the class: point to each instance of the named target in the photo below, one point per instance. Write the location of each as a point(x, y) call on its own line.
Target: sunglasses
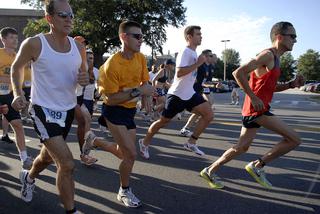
point(210, 55)
point(293, 36)
point(65, 14)
point(137, 36)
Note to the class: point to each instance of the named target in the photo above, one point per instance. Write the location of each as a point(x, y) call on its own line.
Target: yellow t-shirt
point(5, 69)
point(120, 74)
point(27, 77)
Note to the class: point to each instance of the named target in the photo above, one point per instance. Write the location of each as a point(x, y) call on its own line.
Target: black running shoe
point(7, 139)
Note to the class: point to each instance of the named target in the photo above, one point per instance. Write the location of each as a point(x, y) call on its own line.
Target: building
point(18, 19)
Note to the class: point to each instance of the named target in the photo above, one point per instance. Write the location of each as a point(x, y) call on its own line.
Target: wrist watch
point(135, 93)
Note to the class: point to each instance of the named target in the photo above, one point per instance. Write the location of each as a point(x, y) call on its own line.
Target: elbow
point(235, 74)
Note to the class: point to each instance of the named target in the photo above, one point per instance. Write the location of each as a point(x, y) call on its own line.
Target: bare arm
point(124, 96)
point(297, 82)
point(181, 71)
point(26, 53)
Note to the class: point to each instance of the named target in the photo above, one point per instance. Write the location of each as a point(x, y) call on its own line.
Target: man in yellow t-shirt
point(9, 38)
point(122, 79)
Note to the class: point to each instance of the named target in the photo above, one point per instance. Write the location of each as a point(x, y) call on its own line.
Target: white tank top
point(54, 77)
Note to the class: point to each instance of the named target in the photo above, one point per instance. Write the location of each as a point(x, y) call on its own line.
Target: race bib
point(4, 89)
point(58, 117)
point(206, 90)
point(27, 83)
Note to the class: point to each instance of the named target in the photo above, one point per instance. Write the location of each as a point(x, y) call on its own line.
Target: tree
point(309, 65)
point(98, 21)
point(232, 61)
point(287, 67)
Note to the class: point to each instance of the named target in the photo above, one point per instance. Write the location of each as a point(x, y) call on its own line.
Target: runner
point(264, 72)
point(9, 39)
point(181, 96)
point(123, 78)
point(53, 97)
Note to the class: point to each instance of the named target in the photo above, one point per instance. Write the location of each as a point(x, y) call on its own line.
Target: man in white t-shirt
point(181, 94)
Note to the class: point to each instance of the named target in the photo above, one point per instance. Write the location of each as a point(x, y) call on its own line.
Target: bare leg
point(290, 140)
point(154, 128)
point(126, 140)
point(205, 111)
point(245, 140)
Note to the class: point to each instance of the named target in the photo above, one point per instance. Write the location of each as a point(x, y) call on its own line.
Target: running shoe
point(7, 139)
point(185, 132)
point(127, 197)
point(27, 188)
point(87, 160)
point(27, 163)
point(258, 174)
point(213, 180)
point(193, 148)
point(89, 138)
point(144, 150)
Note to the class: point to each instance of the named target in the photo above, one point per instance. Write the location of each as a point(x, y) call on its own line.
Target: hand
point(257, 103)
point(83, 78)
point(201, 59)
point(19, 103)
point(4, 109)
point(298, 81)
point(146, 89)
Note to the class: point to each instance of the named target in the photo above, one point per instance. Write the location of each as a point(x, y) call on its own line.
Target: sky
point(246, 23)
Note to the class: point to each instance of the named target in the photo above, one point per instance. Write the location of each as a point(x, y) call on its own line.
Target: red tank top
point(263, 87)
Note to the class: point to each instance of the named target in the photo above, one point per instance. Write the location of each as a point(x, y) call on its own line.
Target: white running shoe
point(144, 150)
point(89, 138)
point(127, 197)
point(27, 188)
point(185, 132)
point(27, 163)
point(193, 148)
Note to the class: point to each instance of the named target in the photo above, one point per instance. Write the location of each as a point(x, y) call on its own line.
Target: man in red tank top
point(264, 73)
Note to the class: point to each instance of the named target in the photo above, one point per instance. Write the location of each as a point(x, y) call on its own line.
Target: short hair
point(206, 51)
point(190, 30)
point(125, 25)
point(279, 28)
point(7, 30)
point(50, 6)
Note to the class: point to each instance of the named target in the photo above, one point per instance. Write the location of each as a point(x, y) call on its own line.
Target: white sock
point(23, 155)
point(29, 180)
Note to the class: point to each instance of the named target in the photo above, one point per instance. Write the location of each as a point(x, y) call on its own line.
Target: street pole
point(225, 59)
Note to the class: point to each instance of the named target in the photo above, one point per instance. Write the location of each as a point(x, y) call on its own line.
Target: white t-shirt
point(182, 87)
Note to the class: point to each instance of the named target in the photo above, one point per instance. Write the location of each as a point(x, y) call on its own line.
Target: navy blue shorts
point(175, 105)
point(119, 115)
point(249, 121)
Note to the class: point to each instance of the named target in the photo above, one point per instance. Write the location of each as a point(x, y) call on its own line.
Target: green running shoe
point(213, 180)
point(258, 174)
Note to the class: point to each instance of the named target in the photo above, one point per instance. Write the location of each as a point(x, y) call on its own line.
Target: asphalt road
point(169, 181)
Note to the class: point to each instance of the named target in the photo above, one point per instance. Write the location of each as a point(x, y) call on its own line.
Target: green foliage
point(36, 26)
point(287, 67)
point(232, 61)
point(98, 20)
point(309, 65)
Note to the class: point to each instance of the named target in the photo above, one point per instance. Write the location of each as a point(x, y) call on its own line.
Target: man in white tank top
point(58, 64)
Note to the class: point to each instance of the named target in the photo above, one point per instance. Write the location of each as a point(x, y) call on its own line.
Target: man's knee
point(239, 149)
point(294, 140)
point(67, 166)
point(130, 155)
point(16, 124)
